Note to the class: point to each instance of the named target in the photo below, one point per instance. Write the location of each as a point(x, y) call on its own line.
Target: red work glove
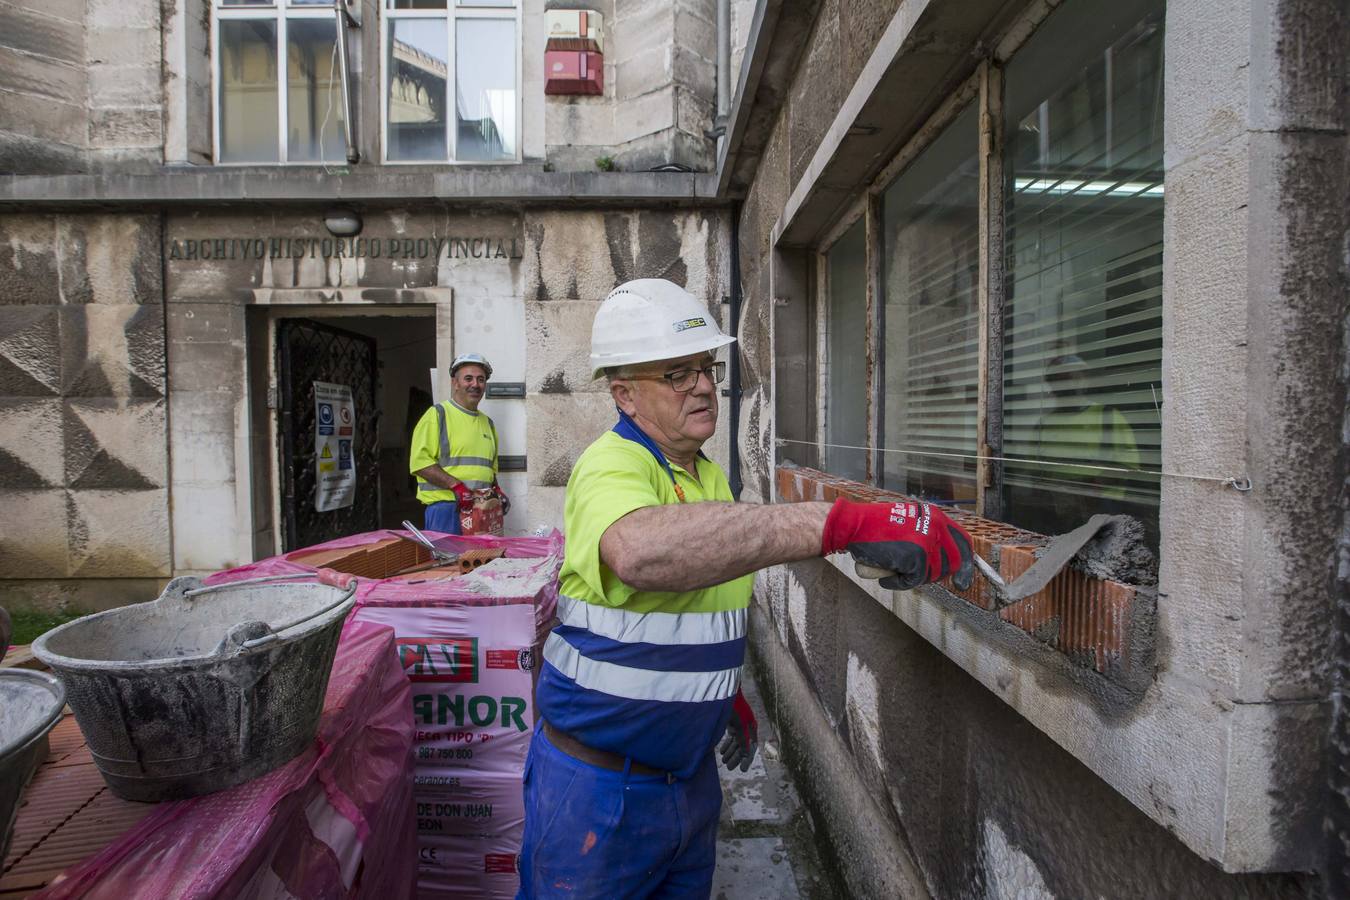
point(914, 541)
point(501, 495)
point(742, 738)
point(462, 493)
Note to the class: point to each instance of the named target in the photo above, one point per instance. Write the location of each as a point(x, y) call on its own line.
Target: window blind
point(846, 359)
point(1083, 220)
point(930, 352)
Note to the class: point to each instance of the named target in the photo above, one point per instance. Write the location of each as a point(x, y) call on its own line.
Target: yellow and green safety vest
point(461, 441)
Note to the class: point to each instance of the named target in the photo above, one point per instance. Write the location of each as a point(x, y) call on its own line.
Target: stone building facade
point(888, 218)
point(144, 293)
point(1118, 737)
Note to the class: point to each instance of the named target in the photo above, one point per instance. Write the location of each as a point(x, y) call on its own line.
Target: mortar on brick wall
point(1087, 612)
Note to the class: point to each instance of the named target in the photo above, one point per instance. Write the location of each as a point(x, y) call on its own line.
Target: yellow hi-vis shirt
point(650, 675)
point(460, 441)
point(611, 478)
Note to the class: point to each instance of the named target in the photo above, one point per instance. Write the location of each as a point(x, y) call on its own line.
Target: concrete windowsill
point(1087, 620)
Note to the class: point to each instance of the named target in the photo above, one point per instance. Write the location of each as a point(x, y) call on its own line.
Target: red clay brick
point(1085, 618)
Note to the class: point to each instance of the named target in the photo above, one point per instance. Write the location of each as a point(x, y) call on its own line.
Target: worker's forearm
point(438, 476)
point(689, 546)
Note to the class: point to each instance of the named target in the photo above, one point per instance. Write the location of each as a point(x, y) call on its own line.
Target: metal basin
point(30, 705)
point(203, 688)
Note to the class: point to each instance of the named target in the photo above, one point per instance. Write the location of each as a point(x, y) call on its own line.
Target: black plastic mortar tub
point(30, 705)
point(203, 688)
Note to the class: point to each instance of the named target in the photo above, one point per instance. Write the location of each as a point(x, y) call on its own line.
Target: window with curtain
point(846, 349)
point(1083, 214)
point(278, 93)
point(440, 53)
point(930, 353)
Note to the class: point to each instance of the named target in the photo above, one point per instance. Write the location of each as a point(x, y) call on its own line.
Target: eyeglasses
point(682, 381)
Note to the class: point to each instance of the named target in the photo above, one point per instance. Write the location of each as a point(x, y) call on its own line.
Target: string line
point(1241, 484)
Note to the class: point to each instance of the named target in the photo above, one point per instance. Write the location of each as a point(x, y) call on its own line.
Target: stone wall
point(920, 730)
point(81, 85)
point(531, 314)
point(660, 89)
point(575, 259)
point(83, 453)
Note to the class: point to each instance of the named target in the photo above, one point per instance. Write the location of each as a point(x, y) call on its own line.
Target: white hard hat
point(470, 359)
point(650, 319)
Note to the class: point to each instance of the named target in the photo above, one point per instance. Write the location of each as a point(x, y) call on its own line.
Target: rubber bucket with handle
point(203, 688)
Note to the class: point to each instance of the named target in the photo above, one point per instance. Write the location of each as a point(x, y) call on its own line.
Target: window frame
point(278, 12)
point(452, 14)
point(985, 89)
point(857, 213)
point(869, 207)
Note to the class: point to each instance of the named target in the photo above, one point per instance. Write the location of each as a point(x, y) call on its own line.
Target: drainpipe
point(723, 71)
point(344, 75)
point(734, 389)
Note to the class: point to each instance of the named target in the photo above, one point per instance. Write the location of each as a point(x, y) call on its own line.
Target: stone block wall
point(81, 82)
point(979, 761)
point(83, 451)
point(660, 90)
point(574, 260)
point(535, 310)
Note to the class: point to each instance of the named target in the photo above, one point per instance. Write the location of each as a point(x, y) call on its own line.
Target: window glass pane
point(248, 91)
point(247, 3)
point(418, 71)
point(417, 4)
point(846, 361)
point(485, 66)
point(327, 3)
point(1084, 228)
point(313, 92)
point(930, 354)
point(487, 2)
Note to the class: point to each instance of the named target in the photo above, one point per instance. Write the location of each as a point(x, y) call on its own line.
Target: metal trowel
point(1051, 560)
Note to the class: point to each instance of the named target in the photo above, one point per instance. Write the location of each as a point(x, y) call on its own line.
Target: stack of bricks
point(388, 557)
point(1085, 618)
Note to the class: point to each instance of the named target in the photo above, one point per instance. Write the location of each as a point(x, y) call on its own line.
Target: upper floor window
point(278, 93)
point(278, 97)
point(438, 49)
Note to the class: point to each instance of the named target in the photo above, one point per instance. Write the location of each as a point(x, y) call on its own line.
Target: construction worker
point(1076, 436)
point(454, 448)
point(641, 678)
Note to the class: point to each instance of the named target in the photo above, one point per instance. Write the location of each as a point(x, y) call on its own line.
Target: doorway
point(333, 477)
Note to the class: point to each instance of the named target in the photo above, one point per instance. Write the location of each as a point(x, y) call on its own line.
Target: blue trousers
point(594, 833)
point(443, 516)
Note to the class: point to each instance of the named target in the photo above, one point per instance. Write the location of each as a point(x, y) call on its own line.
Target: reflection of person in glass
point(1082, 429)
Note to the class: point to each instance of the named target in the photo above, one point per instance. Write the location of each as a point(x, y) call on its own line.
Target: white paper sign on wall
point(334, 434)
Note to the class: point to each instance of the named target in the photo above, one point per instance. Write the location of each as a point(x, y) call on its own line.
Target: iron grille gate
point(310, 351)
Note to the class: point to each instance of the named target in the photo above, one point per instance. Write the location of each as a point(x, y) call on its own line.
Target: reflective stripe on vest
point(653, 686)
point(633, 683)
point(667, 629)
point(468, 466)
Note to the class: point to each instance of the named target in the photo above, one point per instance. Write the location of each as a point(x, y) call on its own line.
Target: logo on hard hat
point(698, 322)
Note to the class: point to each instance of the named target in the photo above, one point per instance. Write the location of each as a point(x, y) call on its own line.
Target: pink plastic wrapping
point(547, 551)
point(469, 646)
point(336, 821)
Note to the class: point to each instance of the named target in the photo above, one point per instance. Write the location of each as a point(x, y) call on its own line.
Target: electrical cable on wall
point(332, 67)
point(1240, 483)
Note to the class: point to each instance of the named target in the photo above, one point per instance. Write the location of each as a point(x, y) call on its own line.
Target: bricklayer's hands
point(905, 543)
point(742, 737)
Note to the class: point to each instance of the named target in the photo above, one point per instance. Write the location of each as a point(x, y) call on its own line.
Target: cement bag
point(469, 647)
point(336, 821)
